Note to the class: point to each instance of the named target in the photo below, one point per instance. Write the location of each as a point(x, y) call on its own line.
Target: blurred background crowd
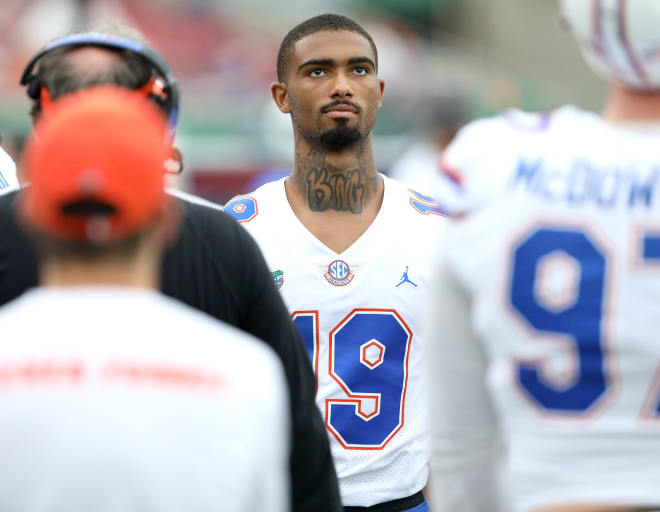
point(445, 62)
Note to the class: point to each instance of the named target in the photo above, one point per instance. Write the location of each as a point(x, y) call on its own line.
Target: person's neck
point(625, 105)
point(139, 273)
point(335, 181)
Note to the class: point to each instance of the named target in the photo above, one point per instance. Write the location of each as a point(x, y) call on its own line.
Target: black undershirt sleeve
point(18, 263)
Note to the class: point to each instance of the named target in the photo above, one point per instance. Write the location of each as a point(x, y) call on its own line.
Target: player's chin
point(341, 137)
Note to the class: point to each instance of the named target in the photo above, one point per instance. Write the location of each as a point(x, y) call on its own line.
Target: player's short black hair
point(311, 26)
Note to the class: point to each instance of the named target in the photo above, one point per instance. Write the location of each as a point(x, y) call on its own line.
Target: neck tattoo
point(342, 192)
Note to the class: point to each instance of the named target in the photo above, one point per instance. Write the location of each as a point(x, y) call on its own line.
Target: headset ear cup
point(34, 88)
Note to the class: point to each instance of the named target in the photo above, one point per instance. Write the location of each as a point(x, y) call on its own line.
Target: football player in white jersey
point(544, 360)
point(103, 405)
point(8, 178)
point(350, 252)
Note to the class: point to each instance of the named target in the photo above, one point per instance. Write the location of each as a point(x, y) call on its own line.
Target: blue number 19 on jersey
point(368, 359)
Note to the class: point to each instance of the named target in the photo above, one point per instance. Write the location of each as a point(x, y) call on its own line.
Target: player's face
point(332, 88)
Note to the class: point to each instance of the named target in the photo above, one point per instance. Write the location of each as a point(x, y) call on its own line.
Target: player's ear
point(381, 85)
point(174, 164)
point(279, 92)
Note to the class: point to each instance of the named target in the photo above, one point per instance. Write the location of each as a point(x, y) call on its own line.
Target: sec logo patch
point(339, 273)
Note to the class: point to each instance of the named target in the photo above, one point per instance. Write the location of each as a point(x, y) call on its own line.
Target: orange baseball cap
point(100, 146)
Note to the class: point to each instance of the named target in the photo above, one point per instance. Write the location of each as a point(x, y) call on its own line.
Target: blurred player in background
point(350, 251)
point(102, 407)
point(544, 359)
point(213, 265)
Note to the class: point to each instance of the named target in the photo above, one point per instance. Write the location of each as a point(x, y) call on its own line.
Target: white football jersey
point(555, 269)
point(8, 179)
point(116, 399)
point(359, 314)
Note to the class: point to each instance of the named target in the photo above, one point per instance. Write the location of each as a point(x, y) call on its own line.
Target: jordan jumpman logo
point(404, 279)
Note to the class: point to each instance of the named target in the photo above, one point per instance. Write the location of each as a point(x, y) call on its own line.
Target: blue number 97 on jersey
point(578, 322)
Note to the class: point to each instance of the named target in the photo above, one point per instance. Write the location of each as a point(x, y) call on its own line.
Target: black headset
point(169, 100)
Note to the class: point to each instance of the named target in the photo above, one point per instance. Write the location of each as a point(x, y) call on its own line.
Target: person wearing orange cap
point(212, 265)
point(101, 405)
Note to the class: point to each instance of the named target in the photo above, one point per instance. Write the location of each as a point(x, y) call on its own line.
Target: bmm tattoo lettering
point(340, 192)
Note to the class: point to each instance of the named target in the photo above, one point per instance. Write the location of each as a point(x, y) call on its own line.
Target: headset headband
point(171, 89)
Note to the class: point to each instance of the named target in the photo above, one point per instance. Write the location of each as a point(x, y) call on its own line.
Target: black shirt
point(216, 267)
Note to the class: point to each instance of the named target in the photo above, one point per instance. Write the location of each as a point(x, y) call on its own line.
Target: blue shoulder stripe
point(426, 205)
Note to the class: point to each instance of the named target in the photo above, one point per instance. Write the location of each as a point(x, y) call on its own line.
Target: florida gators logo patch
point(339, 273)
point(278, 278)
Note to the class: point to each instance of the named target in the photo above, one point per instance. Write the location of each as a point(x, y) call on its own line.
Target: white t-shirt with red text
point(122, 399)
